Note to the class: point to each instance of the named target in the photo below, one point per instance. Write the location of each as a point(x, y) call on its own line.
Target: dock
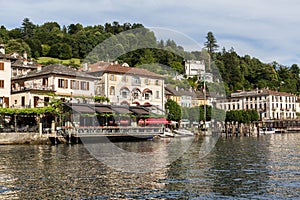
point(104, 134)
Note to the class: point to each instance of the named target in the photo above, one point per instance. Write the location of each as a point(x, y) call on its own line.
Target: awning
point(155, 121)
point(147, 90)
point(82, 109)
point(136, 89)
point(103, 109)
point(140, 111)
point(121, 110)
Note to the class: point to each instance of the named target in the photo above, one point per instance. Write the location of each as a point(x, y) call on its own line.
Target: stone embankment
point(23, 138)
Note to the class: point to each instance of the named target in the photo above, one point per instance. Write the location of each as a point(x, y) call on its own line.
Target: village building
point(269, 104)
point(194, 68)
point(34, 89)
point(125, 85)
point(186, 97)
point(5, 77)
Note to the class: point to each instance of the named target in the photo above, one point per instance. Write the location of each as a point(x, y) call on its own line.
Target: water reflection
point(248, 167)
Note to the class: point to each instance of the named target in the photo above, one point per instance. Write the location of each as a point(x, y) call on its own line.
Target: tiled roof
point(6, 56)
point(20, 63)
point(259, 93)
point(56, 69)
point(171, 90)
point(96, 66)
point(118, 69)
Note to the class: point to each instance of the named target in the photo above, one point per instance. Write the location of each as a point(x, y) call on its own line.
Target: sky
point(268, 30)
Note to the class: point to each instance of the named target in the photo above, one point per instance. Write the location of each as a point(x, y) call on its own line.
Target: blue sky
point(268, 30)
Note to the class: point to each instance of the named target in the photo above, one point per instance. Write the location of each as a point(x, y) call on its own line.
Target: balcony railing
point(38, 87)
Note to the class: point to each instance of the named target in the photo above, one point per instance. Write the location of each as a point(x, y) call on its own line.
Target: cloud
point(266, 29)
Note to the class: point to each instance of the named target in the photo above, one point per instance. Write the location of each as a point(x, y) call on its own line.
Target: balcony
point(37, 87)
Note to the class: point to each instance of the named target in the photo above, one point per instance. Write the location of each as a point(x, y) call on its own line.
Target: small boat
point(267, 130)
point(182, 131)
point(168, 133)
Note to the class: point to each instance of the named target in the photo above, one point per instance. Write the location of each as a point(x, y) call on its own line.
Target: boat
point(267, 130)
point(184, 132)
point(167, 133)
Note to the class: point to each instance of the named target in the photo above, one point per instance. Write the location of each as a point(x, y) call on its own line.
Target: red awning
point(147, 90)
point(155, 121)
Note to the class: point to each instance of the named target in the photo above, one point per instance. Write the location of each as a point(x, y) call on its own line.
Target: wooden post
point(40, 129)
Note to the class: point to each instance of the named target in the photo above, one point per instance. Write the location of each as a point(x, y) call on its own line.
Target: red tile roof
point(118, 69)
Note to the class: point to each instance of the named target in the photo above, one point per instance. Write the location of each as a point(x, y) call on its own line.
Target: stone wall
point(23, 138)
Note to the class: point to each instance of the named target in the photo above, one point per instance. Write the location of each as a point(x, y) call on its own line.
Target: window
point(147, 96)
point(124, 78)
point(157, 94)
point(156, 82)
point(113, 77)
point(135, 94)
point(22, 101)
point(124, 92)
point(1, 83)
point(62, 83)
point(112, 90)
point(136, 81)
point(147, 82)
point(73, 85)
point(84, 85)
point(1, 66)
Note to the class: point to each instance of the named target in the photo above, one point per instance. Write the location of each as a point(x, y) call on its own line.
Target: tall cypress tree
point(211, 43)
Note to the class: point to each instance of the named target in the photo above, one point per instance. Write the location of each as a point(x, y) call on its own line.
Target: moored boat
point(184, 132)
point(267, 130)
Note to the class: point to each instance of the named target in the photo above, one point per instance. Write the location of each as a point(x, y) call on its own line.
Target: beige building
point(186, 98)
point(33, 89)
point(125, 85)
point(269, 104)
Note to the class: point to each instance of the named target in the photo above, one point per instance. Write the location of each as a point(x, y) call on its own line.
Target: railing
point(38, 87)
point(86, 131)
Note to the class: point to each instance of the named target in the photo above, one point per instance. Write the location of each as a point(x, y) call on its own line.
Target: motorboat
point(267, 130)
point(168, 133)
point(182, 131)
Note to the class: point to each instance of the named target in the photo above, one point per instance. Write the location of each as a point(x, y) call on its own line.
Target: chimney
point(2, 49)
point(85, 67)
point(39, 68)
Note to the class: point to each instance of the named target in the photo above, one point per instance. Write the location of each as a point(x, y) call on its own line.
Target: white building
point(194, 67)
point(269, 104)
point(197, 68)
point(125, 85)
point(33, 89)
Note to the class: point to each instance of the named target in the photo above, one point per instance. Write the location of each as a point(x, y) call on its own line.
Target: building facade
point(5, 80)
point(125, 85)
point(33, 89)
point(269, 104)
point(186, 98)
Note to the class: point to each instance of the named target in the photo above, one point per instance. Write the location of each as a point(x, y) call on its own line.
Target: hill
point(51, 42)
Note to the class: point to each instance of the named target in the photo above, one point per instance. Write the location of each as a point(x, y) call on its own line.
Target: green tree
point(17, 46)
point(65, 51)
point(211, 43)
point(174, 110)
point(27, 28)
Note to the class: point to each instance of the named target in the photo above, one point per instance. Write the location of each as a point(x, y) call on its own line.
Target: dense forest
point(76, 41)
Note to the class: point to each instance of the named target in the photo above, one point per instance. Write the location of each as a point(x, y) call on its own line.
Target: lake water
point(265, 167)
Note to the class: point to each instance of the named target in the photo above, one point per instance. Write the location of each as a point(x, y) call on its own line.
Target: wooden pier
point(283, 126)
